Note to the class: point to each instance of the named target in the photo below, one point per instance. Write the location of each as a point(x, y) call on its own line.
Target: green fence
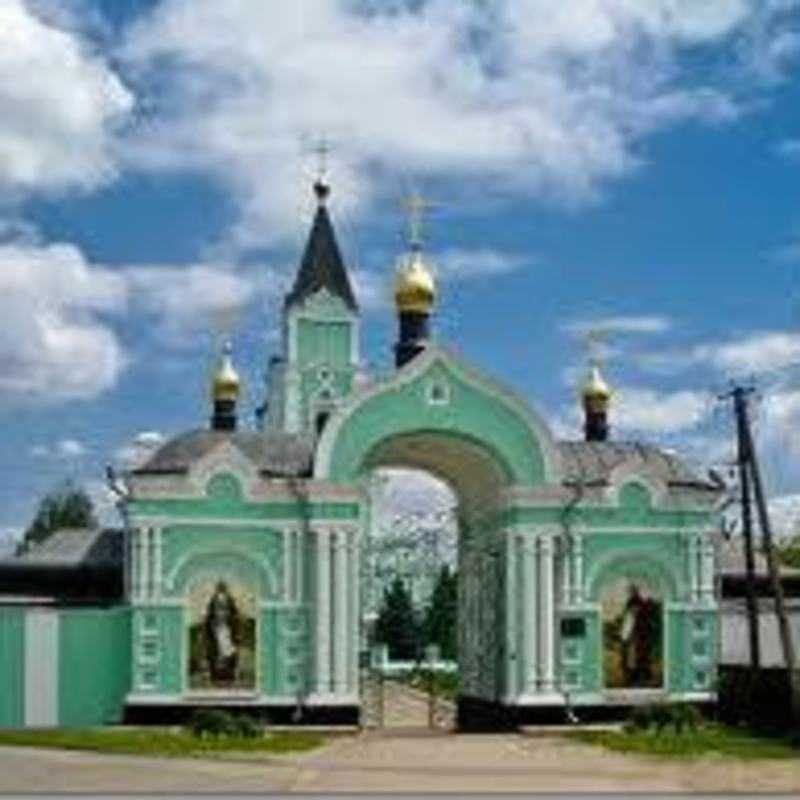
point(64, 667)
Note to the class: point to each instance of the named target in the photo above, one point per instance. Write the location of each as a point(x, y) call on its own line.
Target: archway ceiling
point(468, 468)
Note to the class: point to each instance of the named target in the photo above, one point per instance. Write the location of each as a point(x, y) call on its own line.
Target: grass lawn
point(159, 741)
point(707, 740)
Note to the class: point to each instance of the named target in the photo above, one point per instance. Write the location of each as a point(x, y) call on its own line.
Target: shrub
point(215, 723)
point(657, 717)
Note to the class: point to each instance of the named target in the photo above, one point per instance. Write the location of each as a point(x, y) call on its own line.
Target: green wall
point(95, 665)
point(12, 667)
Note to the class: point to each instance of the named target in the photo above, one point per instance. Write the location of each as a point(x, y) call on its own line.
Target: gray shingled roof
point(72, 547)
point(273, 453)
point(322, 266)
point(593, 462)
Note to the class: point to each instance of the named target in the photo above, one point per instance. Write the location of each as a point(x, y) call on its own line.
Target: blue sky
point(632, 166)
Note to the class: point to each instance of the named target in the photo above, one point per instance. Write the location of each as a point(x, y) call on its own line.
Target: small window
point(322, 418)
point(572, 679)
point(438, 393)
point(701, 678)
point(573, 628)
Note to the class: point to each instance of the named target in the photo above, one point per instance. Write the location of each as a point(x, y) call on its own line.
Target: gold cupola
point(415, 286)
point(226, 383)
point(595, 391)
point(596, 398)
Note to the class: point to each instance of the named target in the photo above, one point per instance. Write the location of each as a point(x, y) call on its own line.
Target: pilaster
point(323, 581)
point(341, 639)
point(546, 626)
point(530, 615)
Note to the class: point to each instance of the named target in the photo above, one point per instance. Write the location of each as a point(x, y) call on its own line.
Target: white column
point(323, 575)
point(530, 615)
point(288, 574)
point(144, 562)
point(566, 564)
point(157, 561)
point(355, 612)
point(299, 549)
point(132, 556)
point(511, 654)
point(692, 559)
point(546, 613)
point(341, 640)
point(707, 585)
point(41, 654)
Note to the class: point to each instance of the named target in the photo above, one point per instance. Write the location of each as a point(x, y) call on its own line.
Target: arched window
point(322, 418)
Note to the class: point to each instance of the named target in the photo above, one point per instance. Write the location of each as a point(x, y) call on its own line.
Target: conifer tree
point(396, 625)
point(442, 614)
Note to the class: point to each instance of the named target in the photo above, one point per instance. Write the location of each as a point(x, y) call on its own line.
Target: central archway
point(438, 416)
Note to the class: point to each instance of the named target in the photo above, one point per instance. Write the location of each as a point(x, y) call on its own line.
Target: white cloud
point(527, 96)
point(644, 412)
point(374, 289)
point(650, 411)
point(784, 513)
point(64, 448)
point(461, 264)
point(761, 351)
point(620, 324)
point(9, 537)
point(191, 298)
point(135, 452)
point(70, 448)
point(754, 353)
point(61, 106)
point(405, 491)
point(61, 314)
point(55, 341)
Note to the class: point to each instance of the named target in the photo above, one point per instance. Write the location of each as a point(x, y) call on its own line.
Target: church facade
point(586, 568)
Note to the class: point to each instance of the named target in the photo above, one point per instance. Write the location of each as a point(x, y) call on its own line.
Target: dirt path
point(401, 760)
point(518, 763)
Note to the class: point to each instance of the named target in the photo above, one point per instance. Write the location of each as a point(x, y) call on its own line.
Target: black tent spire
point(322, 266)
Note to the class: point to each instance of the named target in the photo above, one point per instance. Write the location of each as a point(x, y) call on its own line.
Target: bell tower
point(320, 333)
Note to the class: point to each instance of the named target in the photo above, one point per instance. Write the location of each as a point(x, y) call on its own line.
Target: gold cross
point(416, 207)
point(594, 341)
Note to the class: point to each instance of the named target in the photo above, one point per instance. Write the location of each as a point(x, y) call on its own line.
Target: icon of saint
point(221, 634)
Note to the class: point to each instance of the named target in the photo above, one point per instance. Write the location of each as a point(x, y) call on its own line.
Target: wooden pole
point(774, 574)
point(740, 410)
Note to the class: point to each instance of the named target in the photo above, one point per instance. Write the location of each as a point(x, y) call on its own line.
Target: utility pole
point(740, 395)
point(751, 463)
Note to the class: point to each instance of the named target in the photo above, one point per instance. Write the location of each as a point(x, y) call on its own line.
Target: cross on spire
point(595, 340)
point(322, 150)
point(416, 207)
point(321, 187)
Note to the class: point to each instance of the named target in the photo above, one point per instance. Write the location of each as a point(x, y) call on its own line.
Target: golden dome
point(415, 287)
point(595, 391)
point(226, 383)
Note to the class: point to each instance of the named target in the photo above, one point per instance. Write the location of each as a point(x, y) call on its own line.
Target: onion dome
point(595, 392)
point(226, 383)
point(415, 286)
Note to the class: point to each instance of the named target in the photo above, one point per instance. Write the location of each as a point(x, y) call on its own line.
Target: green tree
point(396, 625)
point(68, 506)
point(789, 553)
point(441, 616)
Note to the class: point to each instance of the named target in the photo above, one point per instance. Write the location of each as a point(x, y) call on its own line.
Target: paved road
point(404, 756)
point(397, 761)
